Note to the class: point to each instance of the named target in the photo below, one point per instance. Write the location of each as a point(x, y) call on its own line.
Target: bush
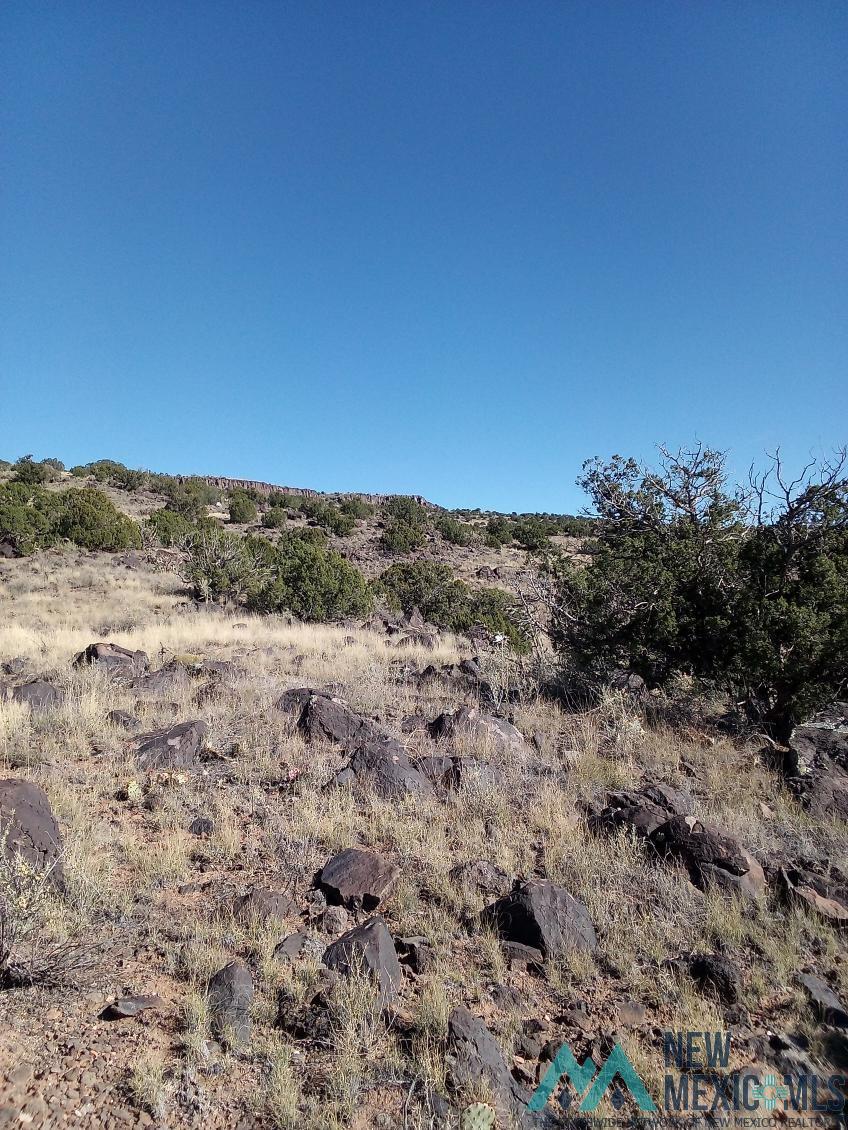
point(28, 516)
point(33, 518)
point(405, 509)
point(532, 533)
point(400, 537)
point(428, 586)
point(494, 609)
point(312, 582)
point(337, 521)
point(286, 501)
point(746, 590)
point(498, 532)
point(453, 531)
point(88, 518)
point(275, 518)
point(27, 471)
point(170, 528)
point(223, 566)
point(406, 524)
point(31, 950)
point(129, 480)
point(449, 603)
point(189, 497)
point(356, 508)
point(242, 508)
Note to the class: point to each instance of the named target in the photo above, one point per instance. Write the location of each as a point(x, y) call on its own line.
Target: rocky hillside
point(264, 873)
point(277, 848)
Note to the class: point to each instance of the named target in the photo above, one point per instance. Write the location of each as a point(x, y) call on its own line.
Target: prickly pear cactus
point(478, 1116)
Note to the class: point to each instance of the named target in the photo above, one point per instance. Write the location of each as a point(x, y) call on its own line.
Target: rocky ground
point(332, 877)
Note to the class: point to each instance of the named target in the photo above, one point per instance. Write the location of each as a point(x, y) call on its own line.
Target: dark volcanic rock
point(828, 1008)
point(709, 856)
point(358, 878)
point(715, 973)
point(173, 678)
point(485, 729)
point(118, 662)
point(320, 715)
point(383, 765)
point(543, 916)
point(475, 1062)
point(415, 952)
point(297, 945)
point(264, 905)
point(628, 682)
point(642, 812)
point(230, 994)
point(817, 762)
point(331, 718)
point(178, 747)
point(38, 694)
point(123, 720)
point(30, 828)
point(455, 772)
point(482, 876)
point(126, 1007)
point(817, 893)
point(368, 949)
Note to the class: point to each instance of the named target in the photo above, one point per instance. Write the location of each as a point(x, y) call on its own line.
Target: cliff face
point(266, 488)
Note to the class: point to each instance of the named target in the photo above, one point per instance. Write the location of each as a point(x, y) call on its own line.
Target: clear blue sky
point(451, 248)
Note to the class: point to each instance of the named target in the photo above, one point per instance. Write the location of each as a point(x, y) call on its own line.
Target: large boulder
point(710, 856)
point(481, 876)
point(178, 747)
point(117, 662)
point(495, 734)
point(819, 885)
point(29, 829)
point(358, 878)
point(476, 1063)
point(261, 904)
point(368, 949)
point(641, 812)
point(38, 695)
point(172, 679)
point(456, 772)
point(826, 1004)
point(543, 916)
point(229, 995)
point(383, 765)
point(817, 762)
point(320, 715)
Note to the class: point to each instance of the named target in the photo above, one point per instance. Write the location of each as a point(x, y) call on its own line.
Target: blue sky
point(450, 248)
